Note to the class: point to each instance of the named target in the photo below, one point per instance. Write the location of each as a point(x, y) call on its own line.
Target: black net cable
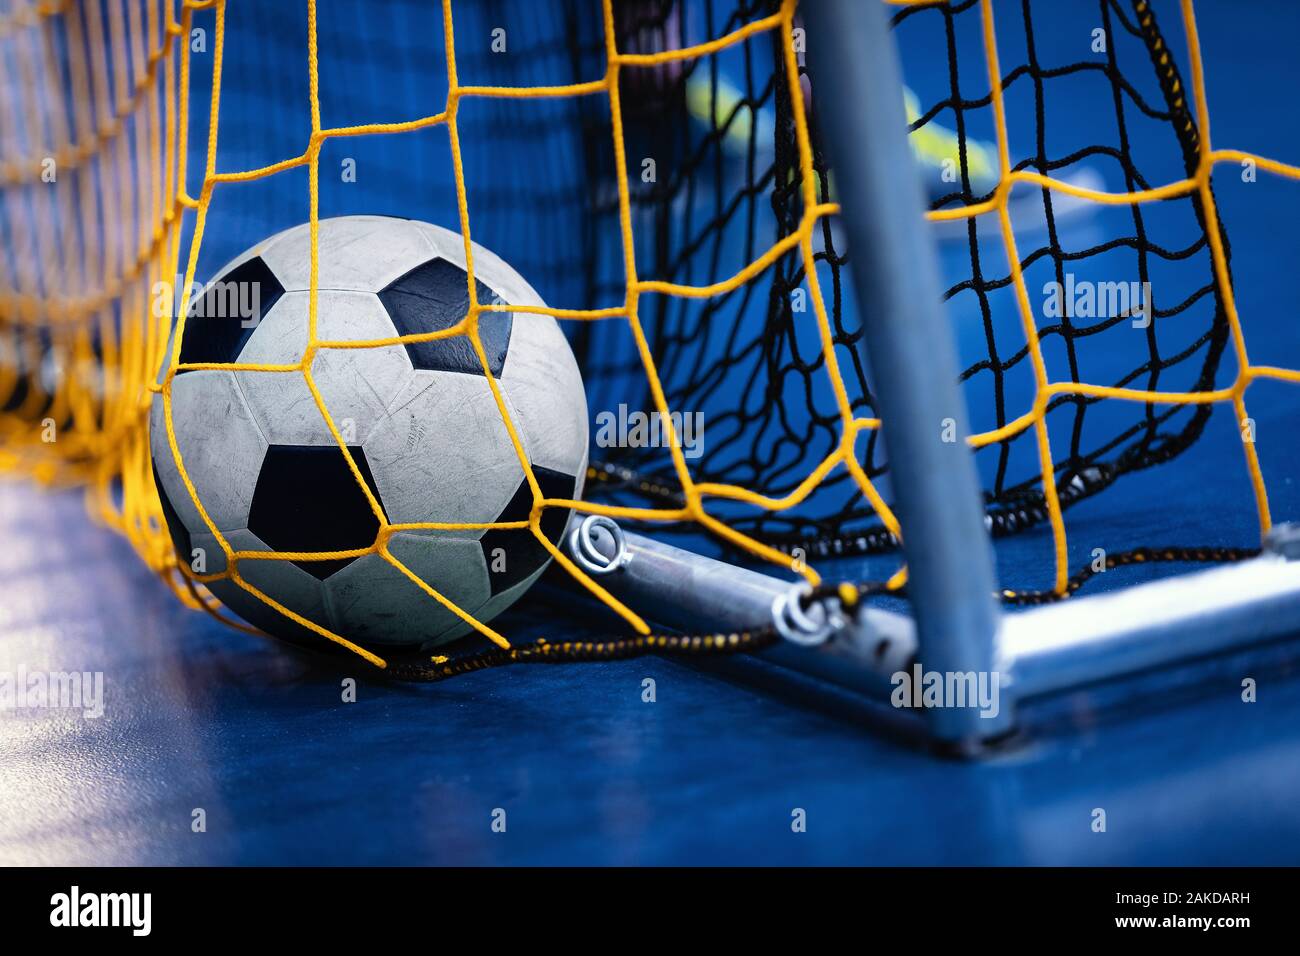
point(765, 447)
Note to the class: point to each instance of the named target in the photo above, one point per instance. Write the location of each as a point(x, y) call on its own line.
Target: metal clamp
point(586, 554)
point(809, 627)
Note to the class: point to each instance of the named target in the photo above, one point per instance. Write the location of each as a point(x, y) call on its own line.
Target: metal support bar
point(907, 344)
point(694, 593)
point(1041, 651)
point(1081, 641)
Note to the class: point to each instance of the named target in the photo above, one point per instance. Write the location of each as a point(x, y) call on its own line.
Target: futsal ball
point(419, 420)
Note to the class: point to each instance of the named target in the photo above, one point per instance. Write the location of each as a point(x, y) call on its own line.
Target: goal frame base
point(1044, 651)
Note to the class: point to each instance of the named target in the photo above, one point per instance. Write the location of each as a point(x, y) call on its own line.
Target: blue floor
point(255, 733)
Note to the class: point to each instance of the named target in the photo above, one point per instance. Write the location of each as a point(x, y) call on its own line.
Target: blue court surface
point(255, 733)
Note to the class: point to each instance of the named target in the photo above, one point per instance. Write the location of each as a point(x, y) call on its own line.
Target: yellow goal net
point(719, 273)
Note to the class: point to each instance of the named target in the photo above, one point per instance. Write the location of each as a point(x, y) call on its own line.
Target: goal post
point(907, 344)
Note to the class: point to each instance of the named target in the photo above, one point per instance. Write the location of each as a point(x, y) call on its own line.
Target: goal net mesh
point(655, 169)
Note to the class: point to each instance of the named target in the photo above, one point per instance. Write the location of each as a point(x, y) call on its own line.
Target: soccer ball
point(419, 420)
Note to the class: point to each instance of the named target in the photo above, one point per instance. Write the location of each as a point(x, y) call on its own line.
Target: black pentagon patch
point(180, 534)
point(222, 320)
point(17, 394)
point(524, 553)
point(307, 500)
point(435, 296)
